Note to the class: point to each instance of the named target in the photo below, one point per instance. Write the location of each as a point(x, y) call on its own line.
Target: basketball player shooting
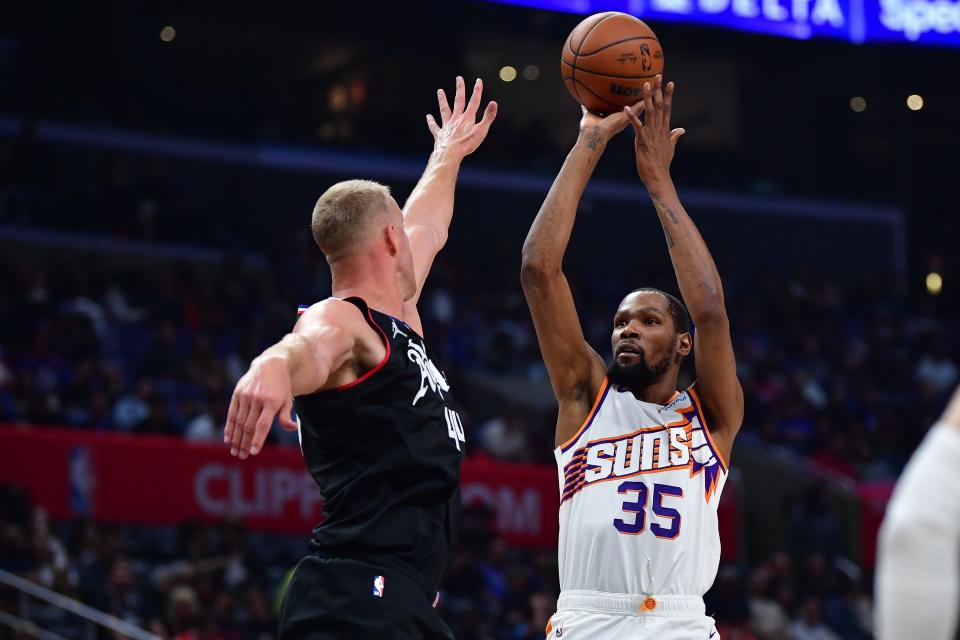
point(641, 464)
point(378, 427)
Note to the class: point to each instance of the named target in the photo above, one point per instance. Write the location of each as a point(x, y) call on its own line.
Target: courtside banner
point(159, 480)
point(931, 22)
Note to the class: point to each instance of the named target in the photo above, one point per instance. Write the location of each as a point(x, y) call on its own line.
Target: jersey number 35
point(670, 517)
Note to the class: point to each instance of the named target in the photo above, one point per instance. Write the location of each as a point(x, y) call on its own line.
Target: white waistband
point(629, 604)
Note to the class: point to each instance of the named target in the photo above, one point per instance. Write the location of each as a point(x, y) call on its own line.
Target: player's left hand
point(655, 142)
point(459, 133)
point(261, 395)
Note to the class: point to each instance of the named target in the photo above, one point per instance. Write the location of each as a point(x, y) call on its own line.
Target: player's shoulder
point(331, 312)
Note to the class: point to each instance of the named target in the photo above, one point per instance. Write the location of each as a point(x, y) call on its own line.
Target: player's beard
point(638, 375)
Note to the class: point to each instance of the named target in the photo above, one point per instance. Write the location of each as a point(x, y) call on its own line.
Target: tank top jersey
point(385, 451)
point(639, 484)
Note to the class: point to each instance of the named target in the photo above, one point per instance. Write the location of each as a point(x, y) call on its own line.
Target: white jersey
point(639, 484)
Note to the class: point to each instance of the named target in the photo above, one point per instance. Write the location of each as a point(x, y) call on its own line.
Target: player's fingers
point(488, 115)
point(459, 99)
point(433, 126)
point(231, 419)
point(260, 430)
point(634, 120)
point(249, 428)
point(658, 97)
point(474, 103)
point(651, 112)
point(676, 134)
point(243, 413)
point(286, 421)
point(668, 102)
point(444, 106)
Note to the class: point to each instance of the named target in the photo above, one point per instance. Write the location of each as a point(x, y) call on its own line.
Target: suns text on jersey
point(681, 445)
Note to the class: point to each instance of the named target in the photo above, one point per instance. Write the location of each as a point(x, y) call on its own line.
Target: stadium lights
point(858, 104)
point(168, 33)
point(914, 102)
point(508, 74)
point(531, 72)
point(934, 283)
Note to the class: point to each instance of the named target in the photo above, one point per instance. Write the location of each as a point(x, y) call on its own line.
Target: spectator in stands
point(124, 596)
point(809, 623)
point(505, 437)
point(768, 619)
point(936, 373)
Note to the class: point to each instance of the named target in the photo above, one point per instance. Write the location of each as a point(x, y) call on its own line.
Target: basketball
point(607, 58)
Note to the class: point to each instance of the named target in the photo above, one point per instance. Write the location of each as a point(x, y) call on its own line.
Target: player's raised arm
point(717, 385)
point(576, 370)
point(429, 209)
point(323, 340)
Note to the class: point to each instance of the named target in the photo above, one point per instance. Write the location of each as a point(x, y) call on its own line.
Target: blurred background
point(158, 165)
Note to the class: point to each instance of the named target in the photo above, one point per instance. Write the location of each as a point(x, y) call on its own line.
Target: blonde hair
point(344, 212)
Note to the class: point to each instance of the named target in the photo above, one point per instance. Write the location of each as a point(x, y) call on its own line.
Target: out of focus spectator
point(809, 624)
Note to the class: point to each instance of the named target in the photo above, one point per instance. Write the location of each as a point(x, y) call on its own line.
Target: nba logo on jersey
point(378, 582)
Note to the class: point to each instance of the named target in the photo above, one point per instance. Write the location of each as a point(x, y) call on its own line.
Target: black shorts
point(336, 598)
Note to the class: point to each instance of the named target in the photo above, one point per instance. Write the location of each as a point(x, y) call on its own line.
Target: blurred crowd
point(222, 582)
point(849, 377)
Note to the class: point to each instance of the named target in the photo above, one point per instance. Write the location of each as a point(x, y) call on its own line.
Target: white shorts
point(593, 615)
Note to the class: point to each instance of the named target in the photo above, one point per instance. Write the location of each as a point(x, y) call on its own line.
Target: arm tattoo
point(666, 210)
point(595, 139)
point(671, 243)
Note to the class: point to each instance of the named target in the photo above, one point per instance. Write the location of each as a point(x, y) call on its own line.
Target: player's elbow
point(536, 271)
point(440, 235)
point(912, 547)
point(899, 532)
point(710, 315)
point(909, 522)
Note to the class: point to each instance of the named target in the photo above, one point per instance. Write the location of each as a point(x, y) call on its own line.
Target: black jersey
point(385, 451)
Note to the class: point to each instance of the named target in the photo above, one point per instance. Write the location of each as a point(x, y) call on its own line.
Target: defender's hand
point(597, 130)
point(655, 141)
point(459, 133)
point(262, 394)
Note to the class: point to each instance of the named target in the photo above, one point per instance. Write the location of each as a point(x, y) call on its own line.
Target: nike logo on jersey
point(681, 445)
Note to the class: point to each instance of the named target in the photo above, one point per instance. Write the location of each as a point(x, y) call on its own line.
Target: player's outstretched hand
point(597, 130)
point(459, 132)
point(655, 140)
point(262, 394)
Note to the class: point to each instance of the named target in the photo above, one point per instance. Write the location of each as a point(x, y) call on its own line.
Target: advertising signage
point(934, 22)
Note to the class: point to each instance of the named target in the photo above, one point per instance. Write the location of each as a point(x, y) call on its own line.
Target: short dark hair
point(678, 311)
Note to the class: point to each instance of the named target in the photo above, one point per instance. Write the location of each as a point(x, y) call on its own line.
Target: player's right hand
point(597, 128)
point(262, 394)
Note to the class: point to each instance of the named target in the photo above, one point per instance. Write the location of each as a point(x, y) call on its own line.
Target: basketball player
point(641, 464)
point(918, 561)
point(379, 430)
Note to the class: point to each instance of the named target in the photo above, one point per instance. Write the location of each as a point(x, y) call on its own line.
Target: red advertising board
point(158, 480)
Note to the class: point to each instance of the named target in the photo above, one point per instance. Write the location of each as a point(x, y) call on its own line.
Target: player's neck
point(358, 277)
point(660, 392)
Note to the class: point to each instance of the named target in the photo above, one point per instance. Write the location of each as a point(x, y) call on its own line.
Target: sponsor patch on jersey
point(378, 585)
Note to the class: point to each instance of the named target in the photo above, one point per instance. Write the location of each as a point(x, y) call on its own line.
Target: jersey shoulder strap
point(356, 301)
